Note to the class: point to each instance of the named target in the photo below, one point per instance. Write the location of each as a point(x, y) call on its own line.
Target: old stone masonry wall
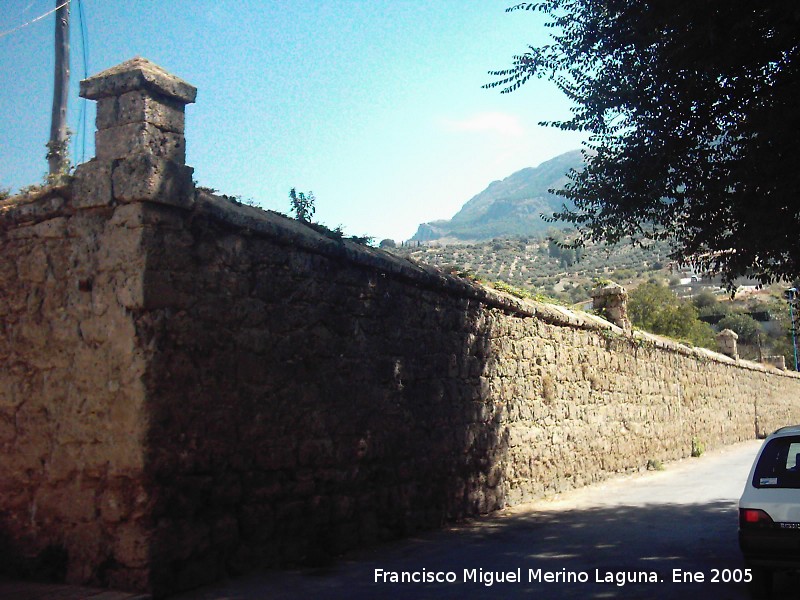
point(191, 388)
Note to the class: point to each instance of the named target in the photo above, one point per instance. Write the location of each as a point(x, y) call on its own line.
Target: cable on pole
point(32, 21)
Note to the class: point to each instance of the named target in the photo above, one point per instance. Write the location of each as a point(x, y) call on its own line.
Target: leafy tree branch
point(691, 110)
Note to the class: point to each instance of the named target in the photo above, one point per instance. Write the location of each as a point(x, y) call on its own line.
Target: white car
point(769, 510)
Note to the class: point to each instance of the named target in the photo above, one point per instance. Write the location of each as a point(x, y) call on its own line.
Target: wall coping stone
point(33, 207)
point(289, 231)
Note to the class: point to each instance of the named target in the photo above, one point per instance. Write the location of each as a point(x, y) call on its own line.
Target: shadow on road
point(651, 551)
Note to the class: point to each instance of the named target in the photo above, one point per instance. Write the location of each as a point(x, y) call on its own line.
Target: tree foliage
point(653, 307)
point(692, 113)
point(705, 299)
point(563, 251)
point(745, 326)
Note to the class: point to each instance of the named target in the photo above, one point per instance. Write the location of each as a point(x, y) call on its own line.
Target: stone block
point(51, 229)
point(119, 248)
point(179, 540)
point(86, 550)
point(34, 266)
point(71, 501)
point(164, 289)
point(130, 291)
point(125, 578)
point(134, 138)
point(225, 533)
point(132, 545)
point(317, 452)
point(95, 330)
point(227, 490)
point(146, 178)
point(140, 106)
point(275, 457)
point(92, 185)
point(135, 216)
point(726, 339)
point(115, 505)
point(21, 210)
point(779, 362)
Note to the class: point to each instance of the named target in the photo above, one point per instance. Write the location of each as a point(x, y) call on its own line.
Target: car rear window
point(779, 464)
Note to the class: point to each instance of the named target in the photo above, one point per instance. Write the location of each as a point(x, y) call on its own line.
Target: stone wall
point(192, 388)
point(72, 424)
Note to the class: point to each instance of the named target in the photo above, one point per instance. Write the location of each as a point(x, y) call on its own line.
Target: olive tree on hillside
point(692, 113)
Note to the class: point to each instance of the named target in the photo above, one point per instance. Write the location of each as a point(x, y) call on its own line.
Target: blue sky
point(375, 106)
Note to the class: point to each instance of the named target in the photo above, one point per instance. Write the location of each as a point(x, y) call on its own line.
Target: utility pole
point(57, 146)
point(791, 295)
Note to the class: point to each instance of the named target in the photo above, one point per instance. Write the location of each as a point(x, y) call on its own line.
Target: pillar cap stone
point(137, 74)
point(728, 333)
point(608, 289)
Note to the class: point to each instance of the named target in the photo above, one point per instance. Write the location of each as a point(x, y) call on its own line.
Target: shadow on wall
point(49, 565)
point(301, 406)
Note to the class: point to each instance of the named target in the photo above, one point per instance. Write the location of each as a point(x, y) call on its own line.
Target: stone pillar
point(726, 340)
point(612, 301)
point(139, 144)
point(779, 361)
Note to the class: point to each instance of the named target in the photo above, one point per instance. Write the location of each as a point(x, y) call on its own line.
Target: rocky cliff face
point(512, 206)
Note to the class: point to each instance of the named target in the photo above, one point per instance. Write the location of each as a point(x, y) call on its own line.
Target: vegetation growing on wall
point(303, 206)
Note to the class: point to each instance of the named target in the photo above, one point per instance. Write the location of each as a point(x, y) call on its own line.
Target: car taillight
point(754, 517)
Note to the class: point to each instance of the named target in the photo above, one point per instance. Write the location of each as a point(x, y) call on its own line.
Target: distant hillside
point(511, 207)
point(541, 266)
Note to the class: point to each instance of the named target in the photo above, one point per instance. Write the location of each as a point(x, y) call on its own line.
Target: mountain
point(511, 207)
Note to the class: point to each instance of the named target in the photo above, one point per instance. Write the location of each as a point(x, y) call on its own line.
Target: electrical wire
point(32, 21)
point(84, 39)
point(30, 4)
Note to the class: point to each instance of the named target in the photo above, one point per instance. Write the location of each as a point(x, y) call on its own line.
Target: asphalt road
point(666, 534)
